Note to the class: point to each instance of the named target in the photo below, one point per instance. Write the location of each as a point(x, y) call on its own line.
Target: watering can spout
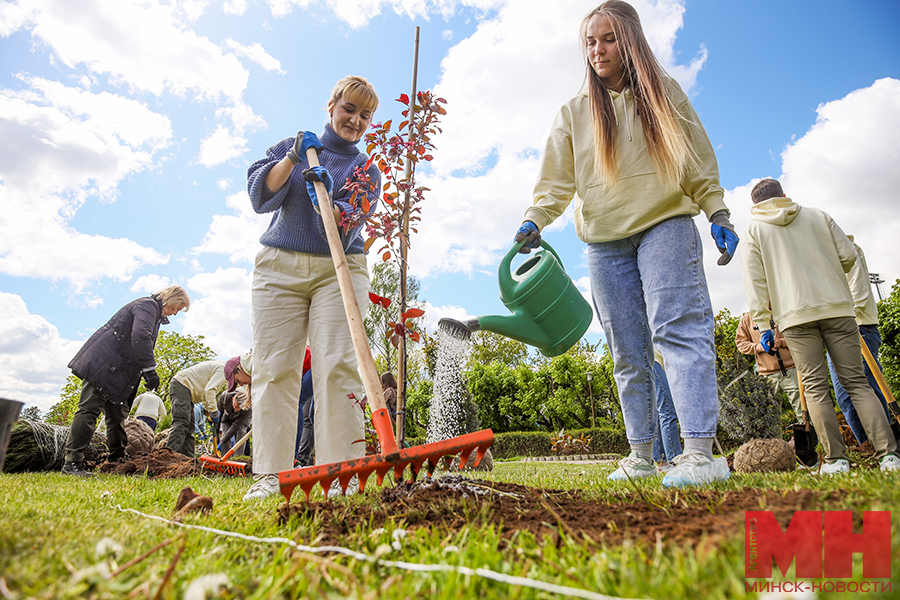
point(513, 326)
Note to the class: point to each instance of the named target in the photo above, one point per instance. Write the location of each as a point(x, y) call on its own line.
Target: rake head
point(428, 454)
point(219, 465)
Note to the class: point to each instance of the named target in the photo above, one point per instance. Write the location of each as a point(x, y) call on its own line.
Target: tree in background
point(489, 347)
point(173, 352)
point(889, 327)
point(748, 407)
point(31, 413)
point(380, 319)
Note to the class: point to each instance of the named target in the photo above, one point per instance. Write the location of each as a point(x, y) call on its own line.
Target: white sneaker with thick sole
point(839, 466)
point(335, 489)
point(633, 467)
point(693, 468)
point(264, 485)
point(890, 463)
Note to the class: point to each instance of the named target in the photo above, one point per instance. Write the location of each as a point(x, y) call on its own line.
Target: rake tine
point(464, 458)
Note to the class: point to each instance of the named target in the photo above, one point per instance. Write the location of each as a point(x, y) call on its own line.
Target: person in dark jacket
point(110, 365)
point(235, 411)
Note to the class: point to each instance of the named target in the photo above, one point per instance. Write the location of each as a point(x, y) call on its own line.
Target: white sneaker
point(335, 489)
point(264, 485)
point(663, 467)
point(890, 463)
point(633, 467)
point(841, 465)
point(693, 468)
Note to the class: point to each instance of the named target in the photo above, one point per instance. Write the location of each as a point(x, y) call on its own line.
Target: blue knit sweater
point(295, 225)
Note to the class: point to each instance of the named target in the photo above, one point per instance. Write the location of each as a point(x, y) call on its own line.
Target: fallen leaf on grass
point(188, 502)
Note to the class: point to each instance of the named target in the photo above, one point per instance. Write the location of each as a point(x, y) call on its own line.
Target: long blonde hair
point(670, 150)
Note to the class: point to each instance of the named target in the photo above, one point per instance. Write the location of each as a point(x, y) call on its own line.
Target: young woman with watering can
point(633, 150)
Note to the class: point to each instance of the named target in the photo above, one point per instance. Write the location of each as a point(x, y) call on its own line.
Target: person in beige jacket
point(199, 384)
point(867, 318)
point(777, 367)
point(150, 409)
point(794, 259)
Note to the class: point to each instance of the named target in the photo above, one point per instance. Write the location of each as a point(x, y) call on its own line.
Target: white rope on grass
point(416, 567)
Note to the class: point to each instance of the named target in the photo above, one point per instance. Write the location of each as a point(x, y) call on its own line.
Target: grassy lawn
point(51, 526)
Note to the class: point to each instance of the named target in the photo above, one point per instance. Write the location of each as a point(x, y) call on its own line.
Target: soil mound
point(452, 503)
point(162, 463)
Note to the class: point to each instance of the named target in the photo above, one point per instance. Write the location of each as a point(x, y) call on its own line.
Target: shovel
point(223, 465)
point(805, 438)
point(391, 457)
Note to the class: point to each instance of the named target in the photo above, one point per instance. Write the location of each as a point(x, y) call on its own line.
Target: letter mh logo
point(822, 543)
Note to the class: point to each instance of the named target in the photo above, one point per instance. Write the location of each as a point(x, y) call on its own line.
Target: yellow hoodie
point(638, 200)
point(795, 257)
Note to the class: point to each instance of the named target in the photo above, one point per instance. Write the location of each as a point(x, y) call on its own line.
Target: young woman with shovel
point(633, 150)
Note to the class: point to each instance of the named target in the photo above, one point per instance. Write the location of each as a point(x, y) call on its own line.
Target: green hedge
point(537, 443)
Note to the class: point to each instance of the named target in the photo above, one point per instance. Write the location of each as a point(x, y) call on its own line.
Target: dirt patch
point(452, 502)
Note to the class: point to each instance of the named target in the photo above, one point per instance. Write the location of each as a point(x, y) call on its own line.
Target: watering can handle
point(505, 272)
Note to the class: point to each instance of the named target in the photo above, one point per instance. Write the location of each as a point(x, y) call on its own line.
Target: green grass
point(50, 526)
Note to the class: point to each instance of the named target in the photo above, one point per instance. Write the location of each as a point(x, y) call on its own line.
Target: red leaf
point(387, 124)
point(395, 340)
point(412, 313)
point(369, 163)
point(379, 300)
point(366, 205)
point(428, 157)
point(414, 335)
point(403, 98)
point(366, 247)
point(386, 256)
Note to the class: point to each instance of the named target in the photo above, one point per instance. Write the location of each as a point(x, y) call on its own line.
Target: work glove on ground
point(725, 237)
point(303, 142)
point(312, 175)
point(151, 379)
point(767, 341)
point(528, 232)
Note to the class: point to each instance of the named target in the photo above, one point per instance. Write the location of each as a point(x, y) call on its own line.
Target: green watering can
point(548, 310)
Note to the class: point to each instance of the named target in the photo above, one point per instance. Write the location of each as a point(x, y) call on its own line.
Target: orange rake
point(223, 465)
point(391, 457)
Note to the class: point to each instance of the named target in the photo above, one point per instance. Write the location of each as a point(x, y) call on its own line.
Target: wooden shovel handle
point(371, 381)
point(879, 377)
point(803, 408)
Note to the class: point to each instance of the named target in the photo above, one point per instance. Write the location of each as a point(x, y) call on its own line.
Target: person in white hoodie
point(632, 153)
point(149, 409)
point(795, 258)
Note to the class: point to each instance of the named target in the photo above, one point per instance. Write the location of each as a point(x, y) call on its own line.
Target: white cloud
point(357, 13)
point(236, 235)
point(150, 284)
point(33, 355)
point(220, 310)
point(235, 7)
point(63, 145)
point(221, 146)
point(143, 45)
point(256, 53)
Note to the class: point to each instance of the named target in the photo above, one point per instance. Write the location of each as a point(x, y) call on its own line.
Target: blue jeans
point(649, 290)
point(873, 340)
point(667, 444)
point(304, 414)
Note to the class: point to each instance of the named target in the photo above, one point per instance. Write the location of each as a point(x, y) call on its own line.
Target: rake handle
point(380, 417)
point(237, 445)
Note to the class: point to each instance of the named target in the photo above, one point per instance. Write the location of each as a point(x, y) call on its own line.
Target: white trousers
point(295, 296)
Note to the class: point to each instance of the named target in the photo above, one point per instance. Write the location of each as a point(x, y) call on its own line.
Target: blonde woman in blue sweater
point(632, 152)
point(295, 291)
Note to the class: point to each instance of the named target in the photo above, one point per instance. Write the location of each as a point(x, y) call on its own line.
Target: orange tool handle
point(879, 377)
point(237, 445)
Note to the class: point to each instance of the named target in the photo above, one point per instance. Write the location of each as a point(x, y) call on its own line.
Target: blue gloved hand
point(304, 141)
point(767, 341)
point(214, 417)
point(317, 174)
point(725, 237)
point(528, 232)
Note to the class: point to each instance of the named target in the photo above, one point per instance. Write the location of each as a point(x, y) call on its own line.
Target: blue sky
point(128, 127)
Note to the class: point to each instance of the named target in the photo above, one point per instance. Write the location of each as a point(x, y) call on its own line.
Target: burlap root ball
point(763, 455)
point(161, 438)
point(486, 464)
point(140, 437)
